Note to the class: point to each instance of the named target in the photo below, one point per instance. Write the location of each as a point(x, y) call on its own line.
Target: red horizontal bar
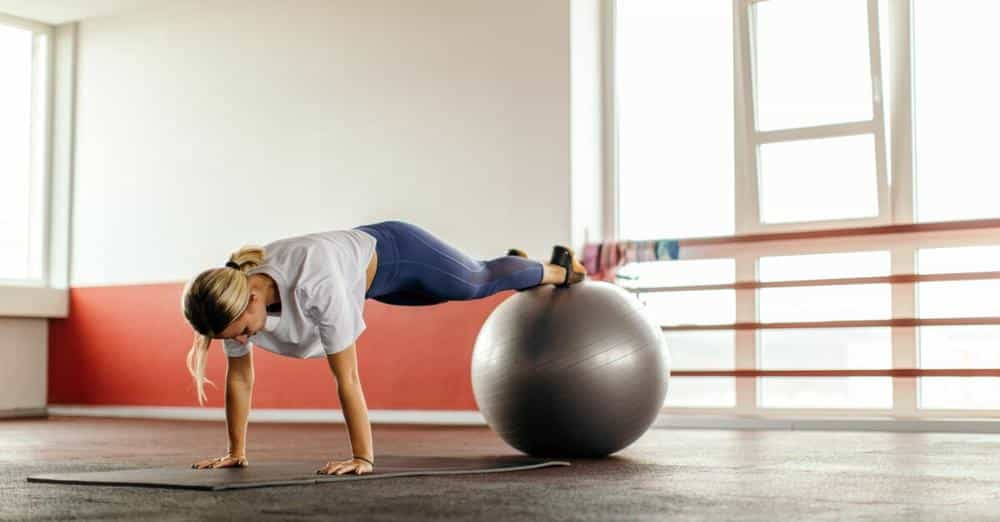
point(946, 226)
point(892, 279)
point(898, 372)
point(867, 323)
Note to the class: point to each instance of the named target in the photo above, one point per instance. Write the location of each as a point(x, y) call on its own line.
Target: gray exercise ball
point(576, 372)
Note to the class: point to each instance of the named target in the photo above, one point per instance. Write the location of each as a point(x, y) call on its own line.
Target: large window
point(806, 107)
point(23, 153)
point(789, 118)
point(804, 146)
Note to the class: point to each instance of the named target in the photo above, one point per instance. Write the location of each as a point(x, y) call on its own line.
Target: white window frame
point(896, 207)
point(47, 296)
point(747, 183)
point(40, 145)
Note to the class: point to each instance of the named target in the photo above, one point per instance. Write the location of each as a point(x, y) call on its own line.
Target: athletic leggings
point(416, 268)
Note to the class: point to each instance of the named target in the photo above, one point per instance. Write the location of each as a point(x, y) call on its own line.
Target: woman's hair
point(213, 300)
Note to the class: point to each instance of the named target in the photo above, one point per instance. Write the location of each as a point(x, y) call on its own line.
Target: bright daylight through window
point(15, 151)
point(805, 88)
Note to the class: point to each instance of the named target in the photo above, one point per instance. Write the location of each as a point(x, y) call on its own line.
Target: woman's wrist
point(366, 459)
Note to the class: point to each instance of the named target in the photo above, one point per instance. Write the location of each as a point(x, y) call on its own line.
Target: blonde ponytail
point(210, 302)
point(247, 257)
point(197, 357)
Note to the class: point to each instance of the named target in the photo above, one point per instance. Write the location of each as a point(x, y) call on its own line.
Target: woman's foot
point(556, 272)
point(573, 271)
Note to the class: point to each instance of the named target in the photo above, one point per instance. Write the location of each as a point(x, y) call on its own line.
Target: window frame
point(894, 161)
point(748, 219)
point(901, 235)
point(48, 297)
point(40, 151)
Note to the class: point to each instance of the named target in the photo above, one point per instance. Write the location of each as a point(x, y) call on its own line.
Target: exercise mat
point(292, 473)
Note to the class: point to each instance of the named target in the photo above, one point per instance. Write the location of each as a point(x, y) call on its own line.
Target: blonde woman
point(303, 297)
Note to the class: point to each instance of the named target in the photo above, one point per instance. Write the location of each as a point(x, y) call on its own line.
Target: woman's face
point(251, 321)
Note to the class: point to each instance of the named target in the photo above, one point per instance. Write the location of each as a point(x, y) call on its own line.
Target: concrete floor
point(666, 475)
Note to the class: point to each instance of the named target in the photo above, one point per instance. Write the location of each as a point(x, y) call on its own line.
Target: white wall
point(206, 125)
point(23, 357)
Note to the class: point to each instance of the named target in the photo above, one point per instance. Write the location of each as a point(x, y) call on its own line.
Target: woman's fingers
point(343, 467)
point(329, 468)
point(202, 464)
point(227, 462)
point(221, 462)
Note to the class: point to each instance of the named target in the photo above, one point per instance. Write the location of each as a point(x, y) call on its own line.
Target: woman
point(304, 297)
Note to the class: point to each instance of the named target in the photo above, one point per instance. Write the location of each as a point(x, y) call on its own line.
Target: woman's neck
point(268, 288)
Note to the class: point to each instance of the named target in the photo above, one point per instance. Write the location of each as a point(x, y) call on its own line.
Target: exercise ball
point(577, 372)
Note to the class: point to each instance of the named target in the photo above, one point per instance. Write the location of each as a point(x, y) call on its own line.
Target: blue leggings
point(416, 268)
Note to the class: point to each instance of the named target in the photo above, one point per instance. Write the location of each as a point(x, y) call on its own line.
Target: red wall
point(126, 346)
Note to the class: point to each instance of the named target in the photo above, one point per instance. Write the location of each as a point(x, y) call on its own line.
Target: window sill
point(34, 302)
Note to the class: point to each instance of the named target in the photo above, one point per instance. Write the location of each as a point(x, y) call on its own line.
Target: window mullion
point(901, 110)
point(745, 341)
point(610, 108)
point(878, 112)
point(747, 195)
point(904, 339)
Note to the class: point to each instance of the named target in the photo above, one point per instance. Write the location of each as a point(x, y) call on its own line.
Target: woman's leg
point(430, 271)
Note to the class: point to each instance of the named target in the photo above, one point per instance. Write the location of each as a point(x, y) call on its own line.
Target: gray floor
point(668, 474)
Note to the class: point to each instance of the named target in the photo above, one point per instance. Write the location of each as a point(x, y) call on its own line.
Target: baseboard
point(436, 417)
point(474, 418)
point(20, 413)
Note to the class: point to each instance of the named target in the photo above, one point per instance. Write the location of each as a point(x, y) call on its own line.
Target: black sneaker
point(563, 256)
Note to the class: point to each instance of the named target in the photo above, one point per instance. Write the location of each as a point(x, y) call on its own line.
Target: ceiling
point(57, 12)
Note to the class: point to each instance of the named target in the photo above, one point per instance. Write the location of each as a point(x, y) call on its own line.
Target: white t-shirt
point(321, 282)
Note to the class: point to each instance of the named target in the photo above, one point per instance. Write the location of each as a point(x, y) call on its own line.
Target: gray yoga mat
point(291, 473)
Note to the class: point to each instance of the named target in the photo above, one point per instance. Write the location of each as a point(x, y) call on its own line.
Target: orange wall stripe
point(126, 345)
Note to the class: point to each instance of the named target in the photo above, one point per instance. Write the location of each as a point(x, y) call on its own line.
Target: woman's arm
point(239, 389)
point(239, 386)
point(344, 365)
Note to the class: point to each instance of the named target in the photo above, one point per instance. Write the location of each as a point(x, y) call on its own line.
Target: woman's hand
point(227, 461)
point(335, 467)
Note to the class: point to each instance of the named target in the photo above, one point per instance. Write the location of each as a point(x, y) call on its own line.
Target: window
point(747, 117)
point(824, 303)
point(956, 109)
point(812, 63)
point(958, 298)
point(692, 350)
point(825, 348)
point(809, 98)
point(814, 124)
point(960, 347)
point(816, 180)
point(675, 118)
point(23, 153)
